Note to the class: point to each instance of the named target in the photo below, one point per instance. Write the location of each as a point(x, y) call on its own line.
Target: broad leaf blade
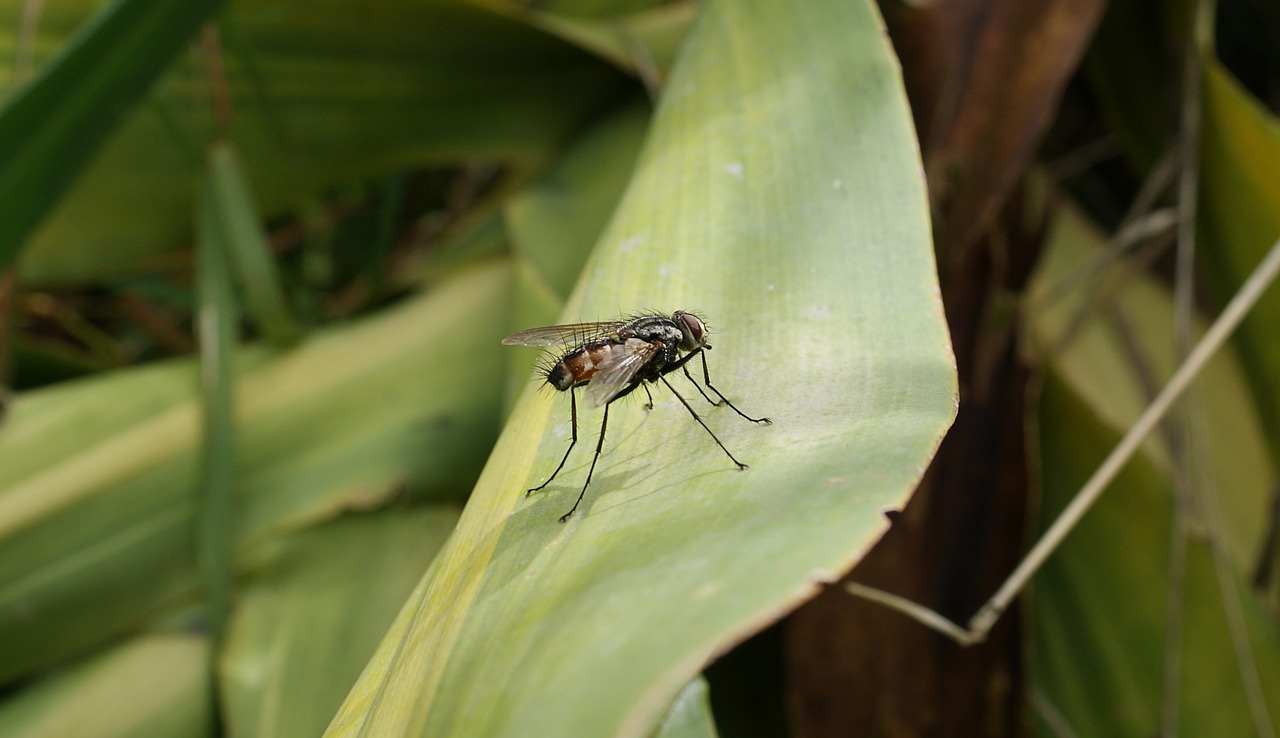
point(779, 192)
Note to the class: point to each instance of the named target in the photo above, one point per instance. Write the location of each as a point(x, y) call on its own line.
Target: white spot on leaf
point(818, 312)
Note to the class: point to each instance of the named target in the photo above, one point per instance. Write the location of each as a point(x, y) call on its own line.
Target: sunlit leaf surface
point(779, 193)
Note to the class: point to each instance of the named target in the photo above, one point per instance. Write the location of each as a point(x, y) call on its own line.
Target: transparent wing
point(618, 369)
point(563, 335)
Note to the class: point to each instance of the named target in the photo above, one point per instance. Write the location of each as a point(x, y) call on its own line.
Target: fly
point(613, 358)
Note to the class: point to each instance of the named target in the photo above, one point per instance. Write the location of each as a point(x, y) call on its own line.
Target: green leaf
point(96, 484)
point(690, 714)
point(1240, 219)
point(50, 128)
point(309, 620)
point(644, 42)
point(155, 685)
point(779, 191)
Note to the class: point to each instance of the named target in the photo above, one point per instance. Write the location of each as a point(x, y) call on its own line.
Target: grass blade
point(217, 318)
point(230, 203)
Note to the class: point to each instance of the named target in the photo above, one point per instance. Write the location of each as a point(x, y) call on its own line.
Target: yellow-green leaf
point(779, 192)
point(156, 685)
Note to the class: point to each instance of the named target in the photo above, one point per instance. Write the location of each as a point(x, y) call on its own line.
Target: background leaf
point(690, 714)
point(152, 686)
point(1101, 600)
point(96, 536)
point(1241, 147)
point(244, 245)
point(309, 619)
point(51, 127)
point(322, 93)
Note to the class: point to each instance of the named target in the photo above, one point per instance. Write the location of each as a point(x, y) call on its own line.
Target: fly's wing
point(618, 368)
point(562, 335)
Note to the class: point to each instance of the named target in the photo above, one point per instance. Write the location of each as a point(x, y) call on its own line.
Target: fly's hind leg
point(573, 416)
point(604, 424)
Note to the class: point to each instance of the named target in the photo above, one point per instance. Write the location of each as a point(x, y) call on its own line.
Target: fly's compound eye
point(693, 331)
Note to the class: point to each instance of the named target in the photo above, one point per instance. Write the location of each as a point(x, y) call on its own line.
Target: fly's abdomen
point(560, 376)
point(578, 366)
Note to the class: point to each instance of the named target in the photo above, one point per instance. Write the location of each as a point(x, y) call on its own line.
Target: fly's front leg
point(682, 364)
point(698, 387)
point(706, 377)
point(702, 423)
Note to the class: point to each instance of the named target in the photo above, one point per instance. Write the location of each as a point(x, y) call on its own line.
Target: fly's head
point(693, 332)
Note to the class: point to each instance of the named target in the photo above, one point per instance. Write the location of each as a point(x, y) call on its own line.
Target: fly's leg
point(701, 423)
point(706, 377)
point(683, 365)
point(599, 445)
point(573, 410)
point(649, 404)
point(698, 387)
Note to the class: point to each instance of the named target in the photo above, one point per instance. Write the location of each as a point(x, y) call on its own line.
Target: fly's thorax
point(655, 329)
